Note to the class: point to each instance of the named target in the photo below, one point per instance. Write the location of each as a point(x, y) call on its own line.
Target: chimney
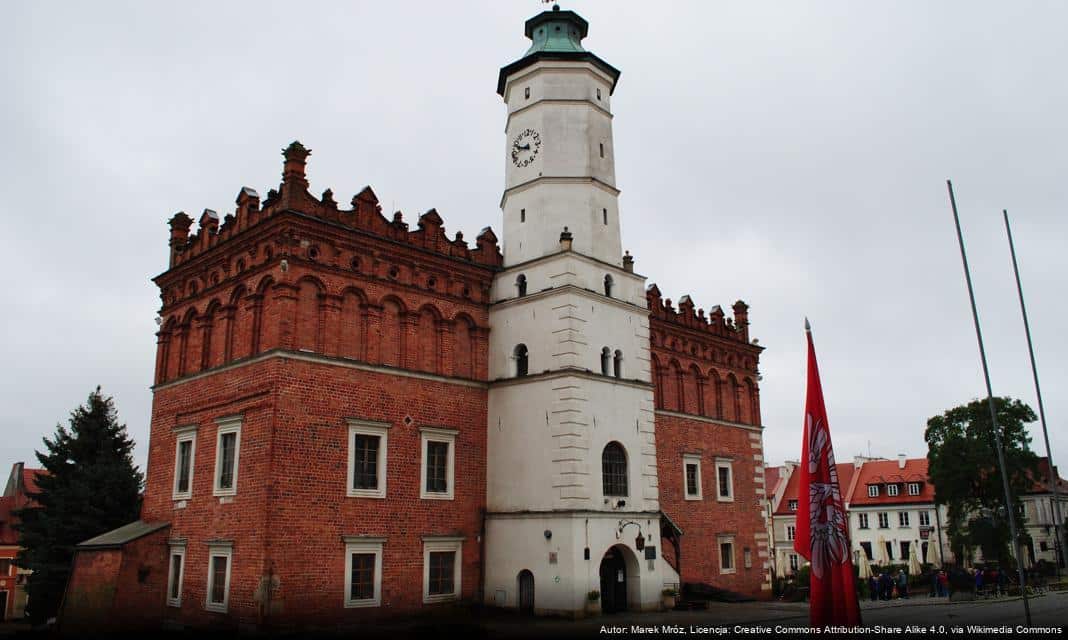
point(900, 461)
point(179, 224)
point(296, 155)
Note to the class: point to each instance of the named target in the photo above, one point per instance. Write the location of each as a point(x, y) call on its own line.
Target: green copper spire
point(556, 35)
point(556, 31)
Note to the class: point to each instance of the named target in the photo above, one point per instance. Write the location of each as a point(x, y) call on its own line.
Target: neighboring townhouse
point(21, 484)
point(1040, 515)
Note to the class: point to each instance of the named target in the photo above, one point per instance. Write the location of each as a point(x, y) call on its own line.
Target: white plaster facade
point(546, 508)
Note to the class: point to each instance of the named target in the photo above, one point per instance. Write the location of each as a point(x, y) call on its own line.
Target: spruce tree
point(92, 487)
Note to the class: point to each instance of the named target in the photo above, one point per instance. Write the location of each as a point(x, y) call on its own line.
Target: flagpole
point(1038, 392)
point(1010, 512)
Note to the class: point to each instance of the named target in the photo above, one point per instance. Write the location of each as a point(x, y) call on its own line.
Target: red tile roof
point(845, 479)
point(883, 472)
point(1042, 483)
point(771, 479)
point(29, 479)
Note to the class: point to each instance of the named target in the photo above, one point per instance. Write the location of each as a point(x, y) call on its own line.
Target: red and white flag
point(822, 535)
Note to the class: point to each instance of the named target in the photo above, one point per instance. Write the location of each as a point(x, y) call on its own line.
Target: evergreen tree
point(963, 466)
point(92, 487)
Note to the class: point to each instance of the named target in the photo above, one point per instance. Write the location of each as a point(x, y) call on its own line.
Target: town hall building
point(355, 417)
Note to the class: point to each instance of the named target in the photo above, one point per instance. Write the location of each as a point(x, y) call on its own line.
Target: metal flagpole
point(1009, 511)
point(1038, 392)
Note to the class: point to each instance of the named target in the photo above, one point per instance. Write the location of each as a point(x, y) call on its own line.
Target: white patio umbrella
point(914, 559)
point(882, 557)
point(863, 566)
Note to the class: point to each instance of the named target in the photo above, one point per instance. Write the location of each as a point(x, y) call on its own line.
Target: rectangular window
point(218, 578)
point(602, 149)
point(862, 518)
point(925, 518)
point(692, 476)
point(363, 572)
point(227, 455)
point(522, 215)
point(5, 569)
point(791, 532)
point(791, 505)
point(174, 577)
point(604, 214)
point(185, 449)
point(441, 568)
point(726, 555)
point(438, 467)
point(904, 550)
point(747, 556)
point(866, 546)
point(367, 459)
point(884, 521)
point(889, 550)
point(873, 491)
point(914, 488)
point(793, 562)
point(724, 480)
point(892, 490)
point(903, 519)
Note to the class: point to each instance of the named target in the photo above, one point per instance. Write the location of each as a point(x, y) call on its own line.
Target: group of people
point(990, 581)
point(939, 584)
point(884, 586)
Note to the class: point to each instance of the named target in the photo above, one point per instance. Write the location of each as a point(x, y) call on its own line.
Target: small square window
point(219, 557)
point(363, 572)
point(691, 465)
point(441, 568)
point(227, 455)
point(438, 463)
point(368, 453)
point(914, 488)
point(791, 505)
point(184, 458)
point(873, 491)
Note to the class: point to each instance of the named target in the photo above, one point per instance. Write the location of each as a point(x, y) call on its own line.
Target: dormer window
point(873, 491)
point(791, 505)
point(892, 490)
point(914, 488)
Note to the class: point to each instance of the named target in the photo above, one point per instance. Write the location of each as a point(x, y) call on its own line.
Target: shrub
point(593, 596)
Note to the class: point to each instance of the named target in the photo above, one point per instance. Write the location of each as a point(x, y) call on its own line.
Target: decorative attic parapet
point(687, 315)
point(292, 195)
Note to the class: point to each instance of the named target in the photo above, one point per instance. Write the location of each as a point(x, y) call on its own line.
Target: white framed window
point(724, 480)
point(873, 491)
point(442, 560)
point(791, 505)
point(367, 459)
point(726, 554)
point(914, 488)
point(437, 471)
point(227, 455)
point(791, 532)
point(862, 519)
point(925, 518)
point(691, 477)
point(176, 574)
point(793, 562)
point(884, 520)
point(185, 449)
point(363, 571)
point(903, 518)
point(892, 490)
point(220, 556)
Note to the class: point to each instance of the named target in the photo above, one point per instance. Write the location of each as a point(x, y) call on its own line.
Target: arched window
point(520, 360)
point(606, 360)
point(614, 470)
point(521, 285)
point(608, 285)
point(618, 364)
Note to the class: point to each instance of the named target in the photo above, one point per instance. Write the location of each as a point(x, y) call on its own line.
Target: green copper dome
point(556, 35)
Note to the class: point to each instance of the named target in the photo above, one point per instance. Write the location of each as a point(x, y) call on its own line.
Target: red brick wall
point(91, 589)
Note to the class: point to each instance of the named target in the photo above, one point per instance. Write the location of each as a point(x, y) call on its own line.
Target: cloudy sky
point(791, 154)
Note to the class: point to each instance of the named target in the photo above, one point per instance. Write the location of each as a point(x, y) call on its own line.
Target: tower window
point(598, 93)
point(606, 360)
point(521, 285)
point(604, 214)
point(522, 215)
point(614, 470)
point(526, 93)
point(618, 364)
point(602, 149)
point(520, 360)
point(608, 285)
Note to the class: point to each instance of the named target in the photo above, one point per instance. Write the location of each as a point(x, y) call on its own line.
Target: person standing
point(903, 584)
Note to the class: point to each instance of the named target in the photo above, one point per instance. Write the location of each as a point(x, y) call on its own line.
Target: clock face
point(525, 147)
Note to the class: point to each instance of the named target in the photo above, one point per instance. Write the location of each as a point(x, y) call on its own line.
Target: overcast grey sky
point(791, 154)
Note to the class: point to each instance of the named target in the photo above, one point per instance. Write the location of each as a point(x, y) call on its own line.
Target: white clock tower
point(572, 502)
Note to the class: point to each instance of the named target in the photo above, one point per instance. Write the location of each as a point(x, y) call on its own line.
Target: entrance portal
point(526, 591)
point(613, 582)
